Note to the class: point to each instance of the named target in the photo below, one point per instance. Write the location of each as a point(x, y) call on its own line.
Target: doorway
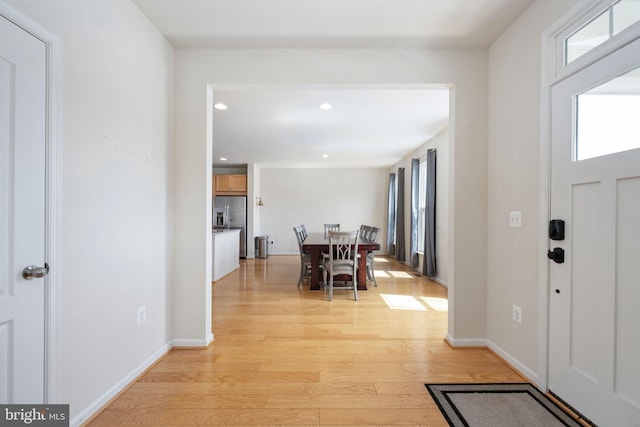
point(595, 182)
point(50, 81)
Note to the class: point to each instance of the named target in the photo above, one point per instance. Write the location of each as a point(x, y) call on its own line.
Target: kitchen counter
point(225, 249)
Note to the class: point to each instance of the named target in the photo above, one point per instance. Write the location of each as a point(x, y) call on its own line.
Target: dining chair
point(305, 258)
point(341, 260)
point(365, 232)
point(373, 236)
point(330, 227)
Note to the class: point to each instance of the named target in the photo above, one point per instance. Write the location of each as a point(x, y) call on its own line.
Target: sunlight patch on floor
point(400, 275)
point(438, 304)
point(395, 274)
point(380, 273)
point(402, 302)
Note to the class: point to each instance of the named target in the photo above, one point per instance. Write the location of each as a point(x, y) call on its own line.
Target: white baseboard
point(90, 410)
point(188, 342)
point(466, 342)
point(515, 363)
point(506, 356)
point(440, 281)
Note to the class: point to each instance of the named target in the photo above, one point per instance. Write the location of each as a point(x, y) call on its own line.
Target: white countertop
point(225, 231)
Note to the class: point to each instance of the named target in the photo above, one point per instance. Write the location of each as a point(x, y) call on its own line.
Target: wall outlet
point(515, 219)
point(517, 314)
point(142, 315)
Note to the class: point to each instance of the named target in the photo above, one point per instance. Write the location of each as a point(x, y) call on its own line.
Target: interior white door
point(594, 325)
point(22, 214)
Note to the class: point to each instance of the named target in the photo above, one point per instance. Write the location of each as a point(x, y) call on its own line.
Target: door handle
point(557, 254)
point(31, 272)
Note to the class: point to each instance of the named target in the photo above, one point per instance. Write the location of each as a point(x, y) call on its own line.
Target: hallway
point(284, 355)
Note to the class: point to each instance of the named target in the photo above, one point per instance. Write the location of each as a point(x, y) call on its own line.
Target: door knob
point(31, 272)
point(557, 254)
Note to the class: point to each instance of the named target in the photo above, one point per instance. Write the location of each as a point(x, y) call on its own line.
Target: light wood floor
point(284, 355)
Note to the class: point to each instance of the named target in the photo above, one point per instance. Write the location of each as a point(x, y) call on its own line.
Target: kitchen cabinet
point(230, 185)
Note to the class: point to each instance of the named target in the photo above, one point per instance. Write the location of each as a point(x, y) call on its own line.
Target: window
point(607, 118)
point(613, 20)
point(422, 203)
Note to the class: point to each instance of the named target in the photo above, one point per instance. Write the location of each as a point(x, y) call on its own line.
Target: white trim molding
point(466, 342)
point(129, 379)
point(120, 386)
point(522, 369)
point(515, 363)
point(53, 194)
point(190, 342)
point(439, 281)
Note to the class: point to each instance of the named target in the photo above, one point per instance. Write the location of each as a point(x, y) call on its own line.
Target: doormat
point(497, 405)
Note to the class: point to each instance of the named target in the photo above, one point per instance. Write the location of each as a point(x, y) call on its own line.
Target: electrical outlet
point(515, 219)
point(142, 315)
point(517, 314)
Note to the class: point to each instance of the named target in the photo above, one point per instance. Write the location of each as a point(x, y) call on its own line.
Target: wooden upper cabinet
point(229, 185)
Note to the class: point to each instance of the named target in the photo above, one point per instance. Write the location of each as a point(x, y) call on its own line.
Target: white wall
point(514, 144)
point(349, 197)
point(464, 69)
point(116, 186)
point(441, 143)
point(117, 179)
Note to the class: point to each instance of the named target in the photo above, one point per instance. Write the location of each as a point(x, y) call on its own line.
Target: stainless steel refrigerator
point(230, 212)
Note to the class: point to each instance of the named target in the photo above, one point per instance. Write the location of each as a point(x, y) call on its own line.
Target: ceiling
point(287, 128)
point(331, 23)
point(374, 127)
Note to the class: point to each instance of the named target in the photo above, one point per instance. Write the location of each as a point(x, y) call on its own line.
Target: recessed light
point(223, 159)
point(325, 155)
point(219, 106)
point(326, 106)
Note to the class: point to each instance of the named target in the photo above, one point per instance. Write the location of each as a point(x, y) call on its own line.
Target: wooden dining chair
point(330, 227)
point(305, 258)
point(365, 232)
point(341, 260)
point(373, 236)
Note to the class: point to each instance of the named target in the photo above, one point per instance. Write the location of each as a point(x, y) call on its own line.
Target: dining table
point(318, 243)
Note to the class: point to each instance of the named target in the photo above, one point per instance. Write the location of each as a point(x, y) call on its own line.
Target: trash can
point(262, 247)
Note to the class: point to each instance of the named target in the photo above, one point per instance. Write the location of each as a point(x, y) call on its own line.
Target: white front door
point(22, 214)
point(594, 323)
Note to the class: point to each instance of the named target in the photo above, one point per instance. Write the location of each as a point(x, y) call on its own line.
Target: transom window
point(613, 20)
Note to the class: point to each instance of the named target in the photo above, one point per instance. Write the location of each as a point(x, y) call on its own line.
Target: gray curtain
point(415, 202)
point(429, 264)
point(400, 250)
point(391, 215)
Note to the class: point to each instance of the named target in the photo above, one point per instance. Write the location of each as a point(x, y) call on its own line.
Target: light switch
point(515, 219)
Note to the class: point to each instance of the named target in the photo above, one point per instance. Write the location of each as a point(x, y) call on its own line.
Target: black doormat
point(497, 405)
